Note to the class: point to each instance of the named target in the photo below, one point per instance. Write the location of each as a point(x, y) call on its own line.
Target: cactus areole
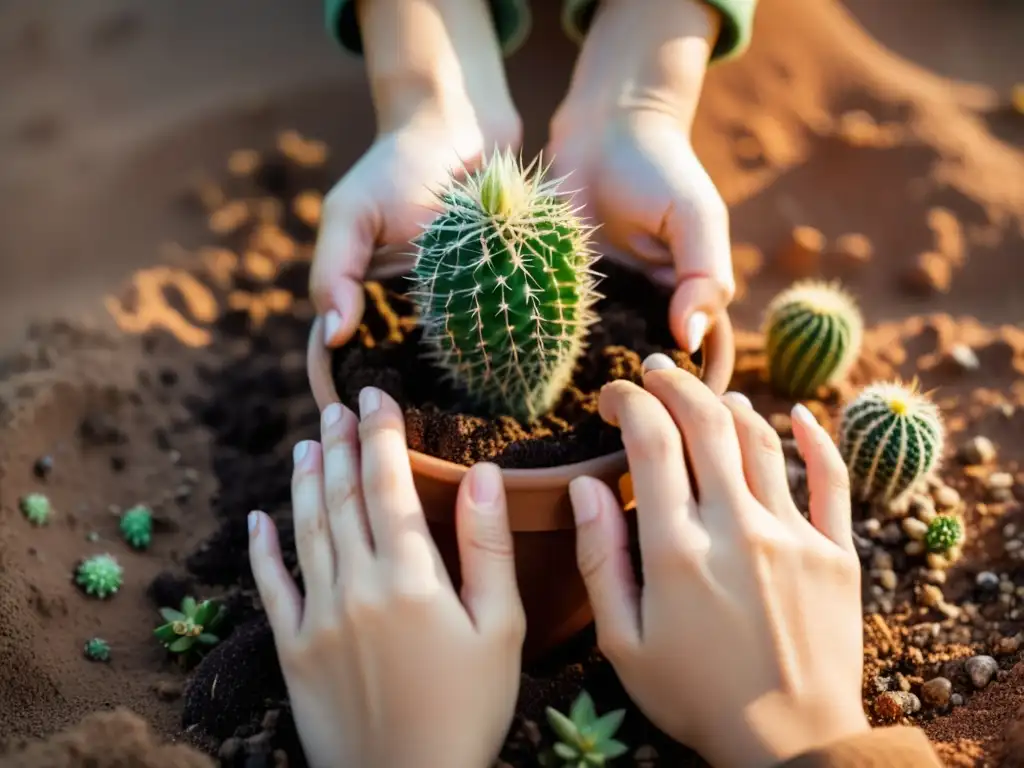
point(505, 288)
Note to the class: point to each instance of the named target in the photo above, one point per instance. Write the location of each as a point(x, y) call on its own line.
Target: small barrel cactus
point(36, 508)
point(584, 739)
point(97, 649)
point(813, 332)
point(100, 576)
point(890, 436)
point(944, 533)
point(137, 527)
point(505, 288)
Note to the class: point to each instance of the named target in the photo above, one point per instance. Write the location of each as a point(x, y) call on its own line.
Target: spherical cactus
point(890, 436)
point(36, 508)
point(944, 533)
point(813, 333)
point(97, 649)
point(505, 288)
point(100, 576)
point(137, 527)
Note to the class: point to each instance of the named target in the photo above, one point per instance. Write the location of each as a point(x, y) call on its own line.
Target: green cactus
point(890, 436)
point(505, 287)
point(944, 533)
point(97, 649)
point(36, 508)
point(585, 740)
point(813, 332)
point(100, 576)
point(189, 626)
point(137, 527)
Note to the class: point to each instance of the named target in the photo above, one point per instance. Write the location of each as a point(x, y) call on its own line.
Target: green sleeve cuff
point(511, 23)
point(733, 39)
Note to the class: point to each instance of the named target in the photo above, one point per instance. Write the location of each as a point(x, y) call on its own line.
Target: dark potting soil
point(387, 354)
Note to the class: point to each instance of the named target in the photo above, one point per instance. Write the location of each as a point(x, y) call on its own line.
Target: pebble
point(937, 692)
point(1008, 645)
point(946, 497)
point(914, 528)
point(977, 450)
point(853, 250)
point(956, 700)
point(872, 526)
point(930, 273)
point(965, 357)
point(881, 560)
point(890, 534)
point(43, 467)
point(914, 548)
point(801, 256)
point(1000, 486)
point(987, 581)
point(931, 596)
point(887, 579)
point(981, 670)
point(937, 562)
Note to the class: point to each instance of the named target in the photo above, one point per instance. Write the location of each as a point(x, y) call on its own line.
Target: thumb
point(489, 589)
point(344, 247)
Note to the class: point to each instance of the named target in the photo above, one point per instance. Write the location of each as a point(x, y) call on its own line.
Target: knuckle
point(493, 543)
point(343, 493)
point(711, 416)
point(591, 560)
point(765, 439)
point(657, 440)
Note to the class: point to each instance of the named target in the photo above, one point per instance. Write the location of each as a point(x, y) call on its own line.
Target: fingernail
point(658, 362)
point(484, 486)
point(369, 401)
point(331, 415)
point(254, 523)
point(696, 327)
point(300, 450)
point(803, 414)
point(332, 324)
point(738, 397)
point(584, 500)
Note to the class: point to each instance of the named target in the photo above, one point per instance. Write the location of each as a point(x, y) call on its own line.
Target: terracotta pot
point(540, 513)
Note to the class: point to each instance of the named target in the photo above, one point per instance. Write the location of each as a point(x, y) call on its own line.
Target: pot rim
point(720, 353)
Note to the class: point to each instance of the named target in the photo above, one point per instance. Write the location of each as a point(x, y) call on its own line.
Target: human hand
point(622, 135)
point(384, 201)
point(745, 641)
point(386, 666)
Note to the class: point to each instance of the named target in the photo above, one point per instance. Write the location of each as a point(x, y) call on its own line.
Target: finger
point(277, 590)
point(489, 589)
point(709, 434)
point(764, 464)
point(393, 507)
point(312, 536)
point(344, 247)
point(602, 554)
point(343, 487)
point(654, 451)
point(827, 478)
point(695, 301)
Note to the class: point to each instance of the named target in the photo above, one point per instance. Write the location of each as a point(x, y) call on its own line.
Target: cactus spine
point(813, 333)
point(890, 436)
point(504, 287)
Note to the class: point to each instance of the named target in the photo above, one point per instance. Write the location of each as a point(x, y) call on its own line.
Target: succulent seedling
point(505, 288)
point(944, 533)
point(190, 626)
point(813, 332)
point(137, 527)
point(584, 739)
point(891, 435)
point(99, 576)
point(97, 649)
point(36, 508)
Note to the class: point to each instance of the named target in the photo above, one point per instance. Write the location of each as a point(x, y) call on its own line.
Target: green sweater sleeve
point(511, 23)
point(737, 23)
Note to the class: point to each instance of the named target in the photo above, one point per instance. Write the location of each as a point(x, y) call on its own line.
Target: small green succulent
point(944, 533)
point(100, 576)
point(137, 526)
point(36, 508)
point(585, 740)
point(97, 649)
point(189, 626)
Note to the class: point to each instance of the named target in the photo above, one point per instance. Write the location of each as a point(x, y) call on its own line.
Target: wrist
point(662, 49)
point(435, 56)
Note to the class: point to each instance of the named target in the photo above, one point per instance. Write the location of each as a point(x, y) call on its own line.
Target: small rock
point(887, 579)
point(935, 576)
point(914, 528)
point(931, 273)
point(890, 534)
point(999, 486)
point(893, 705)
point(937, 562)
point(981, 670)
point(781, 423)
point(1007, 645)
point(43, 467)
point(977, 450)
point(853, 250)
point(914, 548)
point(946, 497)
point(168, 690)
point(881, 560)
point(964, 357)
point(931, 596)
point(646, 756)
point(229, 749)
point(923, 508)
point(986, 581)
point(801, 256)
point(936, 692)
point(956, 700)
point(872, 526)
